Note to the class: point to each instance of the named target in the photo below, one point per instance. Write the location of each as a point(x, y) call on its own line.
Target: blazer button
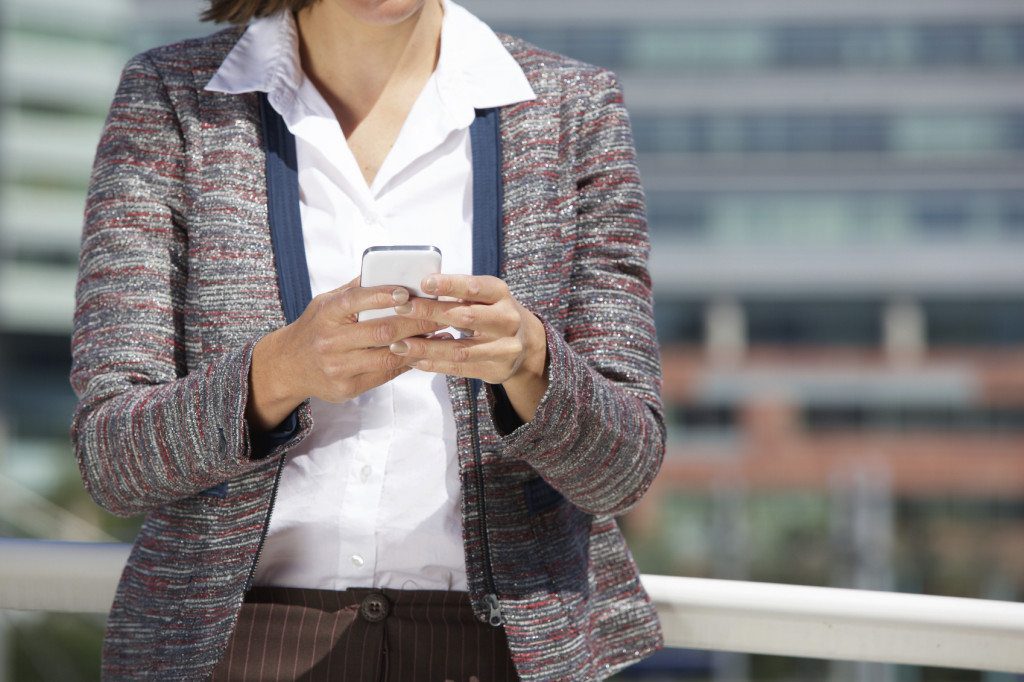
point(374, 608)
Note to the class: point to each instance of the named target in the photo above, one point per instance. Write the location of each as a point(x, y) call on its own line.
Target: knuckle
point(321, 345)
point(345, 299)
point(460, 354)
point(383, 332)
point(319, 301)
point(390, 362)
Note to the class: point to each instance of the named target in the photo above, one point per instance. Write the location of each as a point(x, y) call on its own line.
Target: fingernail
point(399, 296)
point(399, 348)
point(430, 285)
point(403, 309)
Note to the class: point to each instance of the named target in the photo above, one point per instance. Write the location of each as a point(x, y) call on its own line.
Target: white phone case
point(403, 266)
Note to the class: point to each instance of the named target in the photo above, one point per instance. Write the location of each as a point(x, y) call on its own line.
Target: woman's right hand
point(328, 354)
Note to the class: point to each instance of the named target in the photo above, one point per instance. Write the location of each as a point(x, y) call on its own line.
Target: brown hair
point(241, 11)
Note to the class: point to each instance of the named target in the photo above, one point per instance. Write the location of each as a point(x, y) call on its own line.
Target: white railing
point(697, 613)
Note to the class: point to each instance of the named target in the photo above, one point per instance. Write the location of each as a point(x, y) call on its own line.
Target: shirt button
point(364, 473)
point(357, 560)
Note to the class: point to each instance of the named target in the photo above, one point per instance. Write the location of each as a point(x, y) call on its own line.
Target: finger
point(488, 372)
point(350, 300)
point(387, 330)
point(476, 288)
point(434, 349)
point(363, 361)
point(332, 294)
point(496, 319)
point(428, 309)
point(455, 369)
point(505, 351)
point(362, 383)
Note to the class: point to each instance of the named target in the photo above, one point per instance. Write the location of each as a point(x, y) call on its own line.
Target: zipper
point(494, 615)
point(266, 522)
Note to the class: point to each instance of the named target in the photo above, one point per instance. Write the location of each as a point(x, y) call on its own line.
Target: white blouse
point(371, 498)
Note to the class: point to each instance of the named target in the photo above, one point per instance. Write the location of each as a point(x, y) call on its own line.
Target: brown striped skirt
point(363, 634)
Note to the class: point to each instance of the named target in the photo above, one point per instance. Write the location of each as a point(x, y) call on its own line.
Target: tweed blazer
point(177, 282)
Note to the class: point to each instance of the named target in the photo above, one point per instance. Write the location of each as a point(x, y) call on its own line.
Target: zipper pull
point(494, 615)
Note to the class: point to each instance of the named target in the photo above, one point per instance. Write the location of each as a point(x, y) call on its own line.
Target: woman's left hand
point(503, 342)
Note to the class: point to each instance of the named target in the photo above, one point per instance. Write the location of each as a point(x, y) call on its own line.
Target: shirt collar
point(474, 70)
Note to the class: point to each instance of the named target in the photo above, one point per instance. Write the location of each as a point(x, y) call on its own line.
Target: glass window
point(686, 422)
point(817, 323)
point(837, 219)
point(932, 133)
point(906, 134)
point(947, 45)
point(727, 48)
point(941, 215)
point(731, 47)
point(1011, 215)
point(1014, 131)
point(807, 46)
point(679, 214)
point(679, 321)
point(975, 323)
point(35, 395)
point(913, 418)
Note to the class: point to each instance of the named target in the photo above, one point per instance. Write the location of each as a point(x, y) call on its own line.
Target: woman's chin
point(382, 12)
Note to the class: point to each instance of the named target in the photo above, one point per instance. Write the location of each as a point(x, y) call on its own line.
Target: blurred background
point(837, 217)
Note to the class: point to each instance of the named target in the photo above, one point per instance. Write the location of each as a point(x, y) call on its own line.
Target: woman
point(312, 484)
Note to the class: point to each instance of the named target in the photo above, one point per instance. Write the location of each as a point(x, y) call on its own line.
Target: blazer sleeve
point(147, 429)
point(598, 435)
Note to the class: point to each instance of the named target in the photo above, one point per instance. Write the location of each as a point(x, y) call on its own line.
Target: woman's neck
point(353, 61)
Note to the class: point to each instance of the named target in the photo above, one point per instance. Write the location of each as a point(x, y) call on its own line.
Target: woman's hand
point(504, 343)
point(327, 354)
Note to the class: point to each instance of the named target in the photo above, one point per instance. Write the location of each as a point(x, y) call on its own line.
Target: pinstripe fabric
point(294, 633)
point(177, 282)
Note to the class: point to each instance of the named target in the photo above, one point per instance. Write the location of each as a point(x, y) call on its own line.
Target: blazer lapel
point(283, 211)
point(485, 140)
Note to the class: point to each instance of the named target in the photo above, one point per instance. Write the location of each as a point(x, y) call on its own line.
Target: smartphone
point(403, 266)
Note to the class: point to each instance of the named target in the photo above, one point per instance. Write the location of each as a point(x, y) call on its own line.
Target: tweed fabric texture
point(177, 282)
